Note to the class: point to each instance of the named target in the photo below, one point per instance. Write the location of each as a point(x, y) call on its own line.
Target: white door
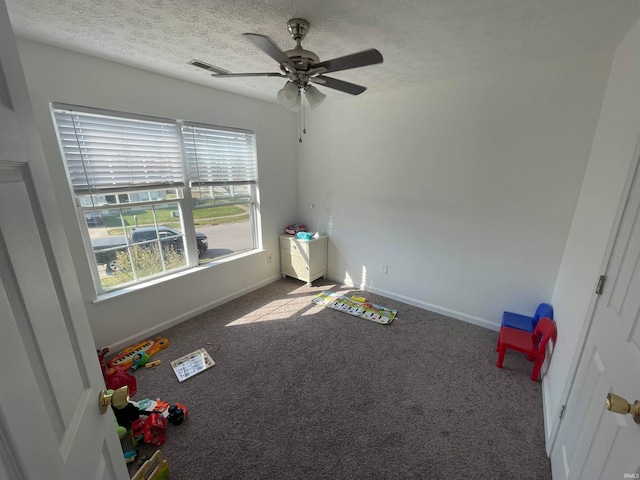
point(50, 425)
point(594, 443)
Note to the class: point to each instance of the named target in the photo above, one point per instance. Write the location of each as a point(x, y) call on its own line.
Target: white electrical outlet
point(384, 268)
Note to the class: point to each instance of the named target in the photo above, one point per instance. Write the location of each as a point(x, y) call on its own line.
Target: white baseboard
point(150, 332)
point(481, 322)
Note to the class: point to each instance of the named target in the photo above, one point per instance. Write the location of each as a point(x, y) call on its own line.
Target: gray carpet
point(301, 391)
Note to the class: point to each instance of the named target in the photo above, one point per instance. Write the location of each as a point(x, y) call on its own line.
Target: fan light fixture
point(288, 95)
point(314, 96)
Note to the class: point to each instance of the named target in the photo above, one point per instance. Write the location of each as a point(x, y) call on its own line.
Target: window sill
point(103, 297)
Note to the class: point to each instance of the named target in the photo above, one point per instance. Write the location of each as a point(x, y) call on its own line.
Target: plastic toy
point(295, 228)
point(130, 456)
point(124, 359)
point(137, 432)
point(534, 346)
point(178, 413)
point(159, 344)
point(139, 359)
point(114, 378)
point(122, 432)
point(147, 406)
point(154, 427)
point(156, 468)
point(155, 363)
point(160, 405)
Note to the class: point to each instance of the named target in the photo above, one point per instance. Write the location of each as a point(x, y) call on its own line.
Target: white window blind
point(104, 152)
point(219, 157)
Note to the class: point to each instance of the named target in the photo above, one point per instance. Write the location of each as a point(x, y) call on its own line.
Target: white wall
point(611, 156)
point(465, 189)
point(55, 75)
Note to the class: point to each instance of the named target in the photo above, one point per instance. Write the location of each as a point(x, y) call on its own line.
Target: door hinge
point(600, 285)
point(564, 407)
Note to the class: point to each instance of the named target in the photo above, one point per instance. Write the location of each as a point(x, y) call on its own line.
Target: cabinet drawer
point(294, 247)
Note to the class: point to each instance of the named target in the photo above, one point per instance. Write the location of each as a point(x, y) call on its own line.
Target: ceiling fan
point(302, 67)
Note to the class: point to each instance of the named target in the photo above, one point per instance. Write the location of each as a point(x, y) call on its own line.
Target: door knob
point(617, 404)
point(118, 398)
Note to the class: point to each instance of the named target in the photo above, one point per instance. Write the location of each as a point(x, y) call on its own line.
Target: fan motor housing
point(302, 58)
point(298, 28)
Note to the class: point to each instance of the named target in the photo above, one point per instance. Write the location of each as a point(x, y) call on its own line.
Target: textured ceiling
point(421, 40)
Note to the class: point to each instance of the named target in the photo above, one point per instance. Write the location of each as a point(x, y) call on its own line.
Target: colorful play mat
point(366, 310)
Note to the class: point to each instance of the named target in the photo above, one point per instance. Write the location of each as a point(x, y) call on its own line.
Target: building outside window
point(156, 196)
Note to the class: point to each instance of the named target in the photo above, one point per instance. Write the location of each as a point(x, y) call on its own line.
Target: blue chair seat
point(520, 322)
point(523, 322)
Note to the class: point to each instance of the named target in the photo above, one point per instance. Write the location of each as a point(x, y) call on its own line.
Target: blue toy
point(528, 324)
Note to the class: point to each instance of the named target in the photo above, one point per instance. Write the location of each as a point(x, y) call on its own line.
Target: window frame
point(184, 200)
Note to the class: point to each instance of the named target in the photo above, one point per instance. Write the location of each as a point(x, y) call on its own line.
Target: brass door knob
point(617, 404)
point(118, 398)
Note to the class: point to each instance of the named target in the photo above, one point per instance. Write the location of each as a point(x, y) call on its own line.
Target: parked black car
point(105, 249)
point(169, 237)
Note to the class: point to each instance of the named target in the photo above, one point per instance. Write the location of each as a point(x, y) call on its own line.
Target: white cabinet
point(303, 259)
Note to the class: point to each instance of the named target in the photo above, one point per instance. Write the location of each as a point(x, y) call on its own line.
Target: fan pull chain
point(299, 115)
point(304, 118)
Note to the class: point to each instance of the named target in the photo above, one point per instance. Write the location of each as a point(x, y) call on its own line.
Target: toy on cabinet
point(295, 228)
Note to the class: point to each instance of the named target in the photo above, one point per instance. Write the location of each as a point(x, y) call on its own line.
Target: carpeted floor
point(301, 391)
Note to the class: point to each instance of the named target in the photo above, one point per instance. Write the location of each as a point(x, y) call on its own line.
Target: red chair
point(533, 345)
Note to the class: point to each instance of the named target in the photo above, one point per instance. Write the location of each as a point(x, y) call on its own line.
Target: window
point(222, 174)
point(157, 195)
